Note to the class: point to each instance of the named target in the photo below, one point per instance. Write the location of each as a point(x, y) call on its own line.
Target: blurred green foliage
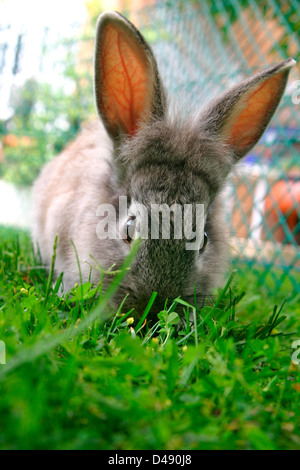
point(45, 118)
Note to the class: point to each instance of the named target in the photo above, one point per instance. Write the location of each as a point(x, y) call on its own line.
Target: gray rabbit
point(140, 152)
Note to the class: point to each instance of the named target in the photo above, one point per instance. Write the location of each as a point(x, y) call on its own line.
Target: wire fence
point(202, 48)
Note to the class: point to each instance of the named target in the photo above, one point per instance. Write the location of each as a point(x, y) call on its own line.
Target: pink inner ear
point(125, 95)
point(245, 127)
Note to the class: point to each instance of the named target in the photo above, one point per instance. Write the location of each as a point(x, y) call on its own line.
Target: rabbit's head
point(161, 159)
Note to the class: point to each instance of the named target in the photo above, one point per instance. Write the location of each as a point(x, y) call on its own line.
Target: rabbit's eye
point(129, 230)
point(204, 243)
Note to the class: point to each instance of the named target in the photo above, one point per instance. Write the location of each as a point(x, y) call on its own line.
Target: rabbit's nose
point(157, 306)
point(141, 303)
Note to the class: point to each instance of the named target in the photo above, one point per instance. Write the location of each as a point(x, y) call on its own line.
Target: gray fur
point(165, 161)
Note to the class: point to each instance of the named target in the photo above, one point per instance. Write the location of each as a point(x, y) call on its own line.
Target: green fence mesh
point(203, 47)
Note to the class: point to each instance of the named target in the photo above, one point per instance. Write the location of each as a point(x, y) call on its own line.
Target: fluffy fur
point(142, 152)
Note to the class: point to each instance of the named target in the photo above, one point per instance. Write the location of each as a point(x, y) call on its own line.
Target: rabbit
point(139, 150)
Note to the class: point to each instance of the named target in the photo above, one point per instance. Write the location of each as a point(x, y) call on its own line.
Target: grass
point(76, 379)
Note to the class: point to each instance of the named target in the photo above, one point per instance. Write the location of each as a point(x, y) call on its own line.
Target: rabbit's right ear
point(240, 116)
point(128, 88)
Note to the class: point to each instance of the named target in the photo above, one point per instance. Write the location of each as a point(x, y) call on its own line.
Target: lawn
point(76, 378)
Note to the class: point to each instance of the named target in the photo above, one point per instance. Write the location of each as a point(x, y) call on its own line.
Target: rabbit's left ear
point(128, 88)
point(241, 115)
